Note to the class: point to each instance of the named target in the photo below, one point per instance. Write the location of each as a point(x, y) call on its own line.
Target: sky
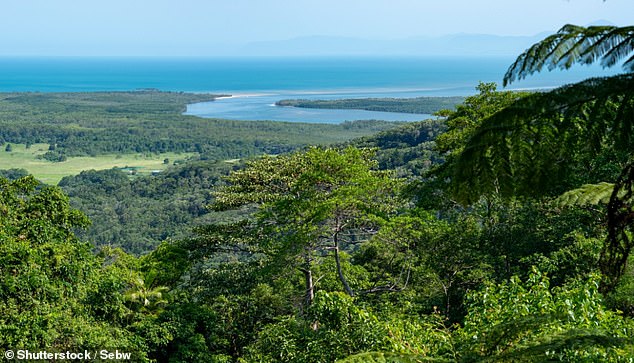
point(212, 27)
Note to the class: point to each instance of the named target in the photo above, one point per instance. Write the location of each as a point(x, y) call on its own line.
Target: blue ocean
point(257, 83)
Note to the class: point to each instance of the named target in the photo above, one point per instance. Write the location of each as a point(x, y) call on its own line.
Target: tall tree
point(314, 204)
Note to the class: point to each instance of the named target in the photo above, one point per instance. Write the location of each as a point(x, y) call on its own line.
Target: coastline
point(240, 95)
point(255, 106)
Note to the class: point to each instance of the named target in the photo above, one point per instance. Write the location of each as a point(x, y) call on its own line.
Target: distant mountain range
point(448, 45)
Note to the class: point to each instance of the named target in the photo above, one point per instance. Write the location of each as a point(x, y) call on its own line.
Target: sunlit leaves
point(311, 204)
point(529, 321)
point(587, 194)
point(49, 279)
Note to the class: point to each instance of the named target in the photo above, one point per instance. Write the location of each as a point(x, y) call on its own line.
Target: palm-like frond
point(146, 299)
point(576, 45)
point(587, 194)
point(532, 145)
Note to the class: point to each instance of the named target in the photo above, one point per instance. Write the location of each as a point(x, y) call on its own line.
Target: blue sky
point(211, 27)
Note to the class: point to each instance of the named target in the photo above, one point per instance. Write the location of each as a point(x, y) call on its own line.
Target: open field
point(52, 172)
point(139, 130)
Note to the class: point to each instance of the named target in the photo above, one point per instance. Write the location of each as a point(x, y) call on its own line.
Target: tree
point(49, 279)
point(548, 143)
point(313, 204)
point(435, 260)
point(545, 144)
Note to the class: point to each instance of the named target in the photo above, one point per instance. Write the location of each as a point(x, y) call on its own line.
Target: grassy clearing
point(51, 173)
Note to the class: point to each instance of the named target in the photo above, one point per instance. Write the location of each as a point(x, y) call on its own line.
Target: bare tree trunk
point(310, 286)
point(342, 278)
point(308, 278)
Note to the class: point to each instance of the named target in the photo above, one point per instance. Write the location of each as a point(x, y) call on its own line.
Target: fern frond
point(629, 64)
point(530, 146)
point(588, 194)
point(576, 45)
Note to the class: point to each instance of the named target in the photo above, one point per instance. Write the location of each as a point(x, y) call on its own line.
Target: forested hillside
point(137, 214)
point(408, 149)
point(500, 234)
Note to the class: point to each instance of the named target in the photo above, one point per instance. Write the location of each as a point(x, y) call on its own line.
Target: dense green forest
point(138, 213)
point(421, 105)
point(89, 124)
point(501, 233)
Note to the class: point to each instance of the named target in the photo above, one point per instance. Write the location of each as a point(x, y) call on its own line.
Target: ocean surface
point(257, 83)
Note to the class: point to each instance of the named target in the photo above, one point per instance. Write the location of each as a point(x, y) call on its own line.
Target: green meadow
point(52, 172)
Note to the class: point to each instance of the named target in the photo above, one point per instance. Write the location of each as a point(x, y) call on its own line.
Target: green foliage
point(336, 327)
point(516, 322)
point(320, 256)
point(544, 144)
point(437, 259)
point(221, 326)
point(622, 298)
point(587, 194)
point(139, 213)
point(461, 125)
point(408, 149)
point(538, 146)
point(49, 277)
point(165, 265)
point(532, 322)
point(421, 105)
point(189, 326)
point(339, 177)
point(378, 357)
point(469, 115)
point(13, 174)
point(54, 156)
point(314, 201)
point(575, 44)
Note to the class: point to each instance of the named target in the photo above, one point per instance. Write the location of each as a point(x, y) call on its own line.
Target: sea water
point(259, 82)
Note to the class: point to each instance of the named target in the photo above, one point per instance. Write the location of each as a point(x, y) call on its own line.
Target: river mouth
point(261, 106)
